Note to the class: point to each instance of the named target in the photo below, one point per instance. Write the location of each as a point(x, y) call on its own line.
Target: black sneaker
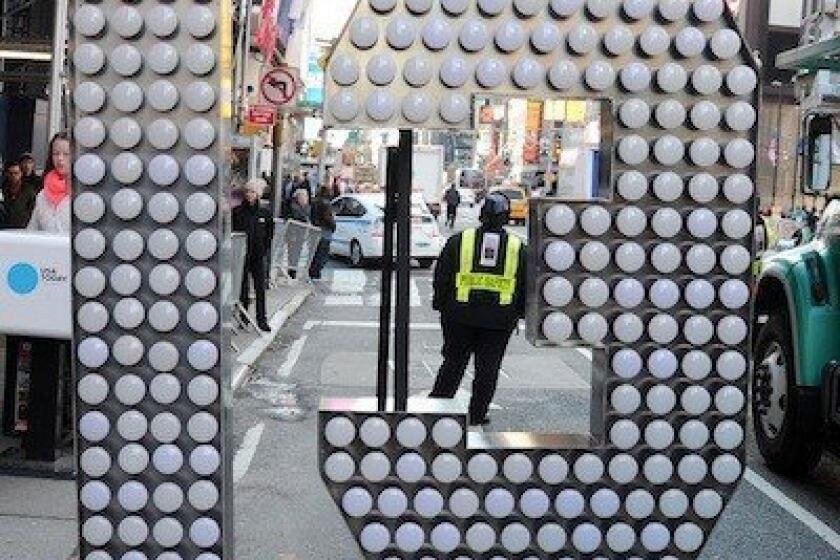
point(263, 325)
point(483, 422)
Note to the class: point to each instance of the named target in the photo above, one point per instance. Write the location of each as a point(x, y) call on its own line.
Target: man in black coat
point(480, 290)
point(258, 225)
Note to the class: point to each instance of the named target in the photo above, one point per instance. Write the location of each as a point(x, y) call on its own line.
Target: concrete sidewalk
point(38, 516)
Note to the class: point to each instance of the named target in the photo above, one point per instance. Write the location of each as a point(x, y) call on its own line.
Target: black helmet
point(495, 212)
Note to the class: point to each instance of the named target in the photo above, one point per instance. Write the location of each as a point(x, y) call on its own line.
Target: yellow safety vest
point(466, 280)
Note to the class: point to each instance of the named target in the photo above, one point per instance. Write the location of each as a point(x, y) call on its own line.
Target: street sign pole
point(402, 176)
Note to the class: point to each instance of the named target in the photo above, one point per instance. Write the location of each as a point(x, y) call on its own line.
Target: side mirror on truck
point(818, 155)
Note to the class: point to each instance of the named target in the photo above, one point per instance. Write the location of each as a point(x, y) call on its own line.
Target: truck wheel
point(357, 259)
point(789, 435)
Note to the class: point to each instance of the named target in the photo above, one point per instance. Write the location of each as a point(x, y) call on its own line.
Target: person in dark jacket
point(480, 291)
point(324, 218)
point(30, 176)
point(18, 196)
point(257, 223)
point(453, 199)
point(300, 209)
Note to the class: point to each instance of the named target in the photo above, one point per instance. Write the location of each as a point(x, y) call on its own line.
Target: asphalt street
point(329, 349)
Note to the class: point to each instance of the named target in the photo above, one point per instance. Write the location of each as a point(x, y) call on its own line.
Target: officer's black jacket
point(483, 309)
point(257, 224)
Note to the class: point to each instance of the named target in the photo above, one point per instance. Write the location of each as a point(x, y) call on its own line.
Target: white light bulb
point(127, 97)
point(741, 116)
point(382, 6)
point(705, 115)
point(592, 328)
point(558, 292)
point(626, 363)
point(569, 503)
point(381, 69)
point(417, 107)
point(89, 207)
point(708, 10)
point(89, 132)
point(203, 390)
point(698, 330)
point(630, 257)
point(89, 244)
point(163, 315)
point(162, 95)
point(595, 221)
point(88, 58)
point(582, 39)
point(725, 44)
point(128, 350)
point(629, 293)
point(654, 41)
point(563, 75)
point(672, 78)
point(696, 365)
point(132, 425)
point(666, 222)
point(735, 259)
point(732, 330)
point(702, 223)
point(663, 364)
point(200, 170)
point(200, 59)
point(625, 399)
point(700, 294)
point(200, 96)
point(545, 38)
point(599, 75)
point(673, 10)
point(586, 538)
point(474, 36)
point(492, 7)
point(127, 204)
point(618, 40)
point(528, 73)
point(668, 186)
point(200, 21)
point(663, 329)
point(632, 185)
point(594, 256)
point(734, 294)
point(401, 32)
point(706, 79)
point(89, 97)
point(162, 58)
point(739, 153)
point(704, 152)
point(200, 208)
point(129, 389)
point(344, 105)
point(364, 32)
point(593, 292)
point(94, 426)
point(664, 293)
point(690, 42)
point(628, 328)
point(417, 71)
point(635, 77)
point(559, 256)
point(669, 150)
point(703, 188)
point(701, 259)
point(454, 72)
point(162, 21)
point(200, 281)
point(659, 435)
point(126, 60)
point(633, 149)
point(162, 134)
point(89, 20)
point(127, 168)
point(670, 114)
point(164, 279)
point(631, 221)
point(736, 224)
point(93, 388)
point(634, 113)
point(510, 36)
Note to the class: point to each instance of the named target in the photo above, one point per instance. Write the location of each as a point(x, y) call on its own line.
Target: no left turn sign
point(279, 87)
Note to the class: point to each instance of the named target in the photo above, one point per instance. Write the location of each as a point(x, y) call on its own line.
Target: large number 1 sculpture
point(672, 248)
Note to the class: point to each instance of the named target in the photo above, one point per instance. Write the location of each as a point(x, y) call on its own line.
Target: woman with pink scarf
point(52, 206)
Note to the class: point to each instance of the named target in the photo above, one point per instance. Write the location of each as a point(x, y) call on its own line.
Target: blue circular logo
point(22, 278)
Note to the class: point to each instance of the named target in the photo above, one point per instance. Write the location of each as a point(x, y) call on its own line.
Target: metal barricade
point(301, 242)
point(278, 251)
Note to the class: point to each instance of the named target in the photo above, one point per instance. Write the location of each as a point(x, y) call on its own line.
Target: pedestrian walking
point(480, 291)
point(52, 205)
point(258, 225)
point(453, 199)
point(18, 197)
point(324, 218)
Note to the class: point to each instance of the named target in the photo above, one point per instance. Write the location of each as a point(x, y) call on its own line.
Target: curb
point(244, 363)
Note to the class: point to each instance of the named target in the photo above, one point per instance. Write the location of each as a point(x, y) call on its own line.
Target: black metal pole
point(402, 312)
point(387, 276)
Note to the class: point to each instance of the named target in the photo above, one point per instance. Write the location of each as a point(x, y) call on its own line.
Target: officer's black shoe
point(479, 422)
point(263, 325)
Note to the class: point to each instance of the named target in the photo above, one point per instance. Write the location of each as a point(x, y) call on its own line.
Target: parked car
point(518, 202)
point(360, 229)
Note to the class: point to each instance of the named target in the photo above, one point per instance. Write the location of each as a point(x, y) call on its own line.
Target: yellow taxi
point(518, 202)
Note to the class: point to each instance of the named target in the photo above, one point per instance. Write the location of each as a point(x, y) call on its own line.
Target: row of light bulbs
point(128, 22)
point(663, 293)
point(437, 34)
point(671, 10)
point(134, 530)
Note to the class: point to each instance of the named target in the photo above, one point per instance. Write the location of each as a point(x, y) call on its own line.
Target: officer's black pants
point(461, 341)
point(254, 267)
point(451, 214)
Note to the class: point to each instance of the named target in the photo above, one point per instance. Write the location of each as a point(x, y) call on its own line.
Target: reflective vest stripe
point(466, 280)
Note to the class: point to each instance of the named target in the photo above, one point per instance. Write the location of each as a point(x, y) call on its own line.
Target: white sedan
point(360, 229)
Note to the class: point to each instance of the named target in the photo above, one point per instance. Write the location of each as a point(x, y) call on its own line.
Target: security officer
point(258, 225)
point(480, 291)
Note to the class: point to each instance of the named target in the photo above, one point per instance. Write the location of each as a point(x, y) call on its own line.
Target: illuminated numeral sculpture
point(149, 274)
point(670, 253)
